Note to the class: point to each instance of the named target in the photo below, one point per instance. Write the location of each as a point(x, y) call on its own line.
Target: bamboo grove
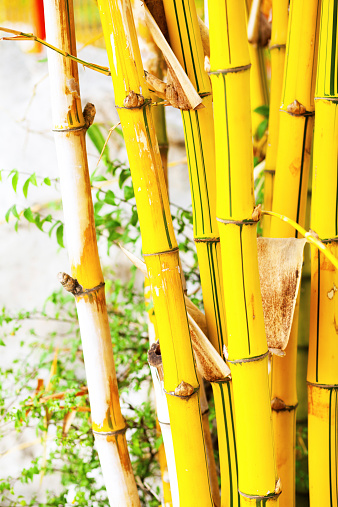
point(245, 342)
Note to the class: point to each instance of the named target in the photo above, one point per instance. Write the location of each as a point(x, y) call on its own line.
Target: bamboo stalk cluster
point(255, 410)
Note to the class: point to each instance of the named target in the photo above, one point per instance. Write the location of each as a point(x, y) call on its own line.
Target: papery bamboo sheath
point(198, 125)
point(69, 127)
point(235, 204)
point(323, 347)
point(289, 198)
point(160, 251)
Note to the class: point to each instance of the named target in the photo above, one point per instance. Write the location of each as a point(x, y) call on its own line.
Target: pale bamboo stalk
point(160, 250)
point(291, 180)
point(87, 283)
point(248, 351)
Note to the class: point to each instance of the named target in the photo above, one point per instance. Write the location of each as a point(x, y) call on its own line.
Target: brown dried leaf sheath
point(280, 266)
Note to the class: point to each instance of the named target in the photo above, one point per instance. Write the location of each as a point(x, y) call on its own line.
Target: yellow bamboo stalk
point(323, 348)
point(290, 197)
point(259, 89)
point(87, 285)
point(160, 251)
point(185, 40)
point(277, 52)
point(235, 203)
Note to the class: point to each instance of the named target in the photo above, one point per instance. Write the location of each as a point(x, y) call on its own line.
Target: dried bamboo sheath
point(69, 127)
point(235, 203)
point(323, 346)
point(160, 250)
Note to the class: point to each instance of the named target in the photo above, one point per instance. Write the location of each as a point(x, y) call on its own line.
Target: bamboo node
point(279, 405)
point(89, 114)
point(184, 389)
point(69, 283)
point(257, 213)
point(278, 487)
point(133, 100)
point(296, 108)
point(154, 355)
point(248, 359)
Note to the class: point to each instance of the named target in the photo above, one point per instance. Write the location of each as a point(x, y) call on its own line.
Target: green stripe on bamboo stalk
point(235, 203)
point(323, 351)
point(86, 282)
point(186, 42)
point(160, 247)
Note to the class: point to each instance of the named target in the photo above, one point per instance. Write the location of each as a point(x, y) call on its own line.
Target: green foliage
point(26, 404)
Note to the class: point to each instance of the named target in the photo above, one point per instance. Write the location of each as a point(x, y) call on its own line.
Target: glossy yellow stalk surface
point(198, 125)
point(323, 346)
point(289, 198)
point(277, 52)
point(259, 89)
point(69, 127)
point(160, 251)
point(235, 204)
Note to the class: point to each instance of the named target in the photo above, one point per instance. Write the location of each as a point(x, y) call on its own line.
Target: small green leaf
point(33, 179)
point(46, 181)
point(128, 192)
point(43, 60)
point(109, 198)
point(124, 175)
point(59, 235)
point(25, 187)
point(2, 343)
point(134, 217)
point(262, 128)
point(15, 180)
point(28, 214)
point(263, 110)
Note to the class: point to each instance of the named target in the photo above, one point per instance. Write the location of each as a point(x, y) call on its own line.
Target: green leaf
point(25, 187)
point(128, 192)
point(33, 179)
point(263, 110)
point(134, 217)
point(14, 211)
point(2, 343)
point(124, 175)
point(97, 138)
point(53, 227)
point(262, 128)
point(28, 214)
point(15, 180)
point(59, 235)
point(109, 198)
point(46, 181)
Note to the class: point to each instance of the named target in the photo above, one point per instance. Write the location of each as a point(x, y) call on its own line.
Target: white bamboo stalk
point(87, 283)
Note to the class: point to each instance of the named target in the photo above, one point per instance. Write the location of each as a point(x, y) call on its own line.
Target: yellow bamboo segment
point(160, 250)
point(277, 52)
point(323, 348)
point(259, 89)
point(69, 126)
point(198, 125)
point(230, 76)
point(289, 198)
